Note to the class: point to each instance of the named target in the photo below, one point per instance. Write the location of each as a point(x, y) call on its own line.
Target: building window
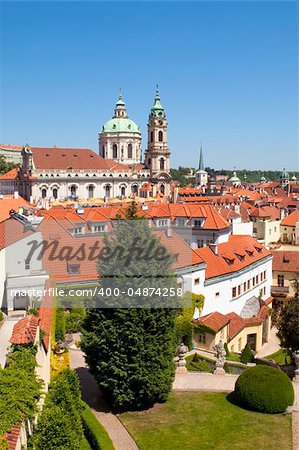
point(73, 269)
point(130, 151)
point(90, 191)
point(44, 193)
point(234, 292)
point(162, 189)
point(202, 338)
point(160, 136)
point(73, 190)
point(98, 228)
point(114, 151)
point(152, 136)
point(78, 230)
point(257, 279)
point(280, 280)
point(27, 264)
point(107, 191)
point(239, 290)
point(123, 191)
point(217, 294)
point(161, 164)
point(196, 281)
point(197, 223)
point(248, 285)
point(244, 287)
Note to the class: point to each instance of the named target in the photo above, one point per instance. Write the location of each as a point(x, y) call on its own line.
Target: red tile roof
point(10, 175)
point(74, 158)
point(271, 212)
point(13, 437)
point(291, 219)
point(45, 315)
point(214, 320)
point(218, 265)
point(24, 331)
point(13, 147)
point(8, 203)
point(285, 261)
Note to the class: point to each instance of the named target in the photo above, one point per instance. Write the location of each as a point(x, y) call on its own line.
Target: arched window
point(114, 151)
point(55, 193)
point(130, 151)
point(107, 191)
point(160, 136)
point(90, 191)
point(44, 193)
point(134, 188)
point(162, 164)
point(103, 151)
point(152, 136)
point(123, 191)
point(162, 189)
point(73, 190)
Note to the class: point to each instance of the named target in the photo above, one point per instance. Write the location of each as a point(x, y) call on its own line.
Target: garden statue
point(182, 351)
point(220, 354)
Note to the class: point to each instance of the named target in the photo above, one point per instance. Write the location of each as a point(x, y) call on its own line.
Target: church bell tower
point(157, 155)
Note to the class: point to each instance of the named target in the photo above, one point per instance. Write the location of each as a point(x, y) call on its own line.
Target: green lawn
point(206, 421)
point(281, 357)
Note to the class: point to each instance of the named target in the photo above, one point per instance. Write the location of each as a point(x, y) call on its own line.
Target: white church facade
point(117, 171)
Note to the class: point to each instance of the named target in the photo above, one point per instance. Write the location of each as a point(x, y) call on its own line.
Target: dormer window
point(73, 269)
point(229, 261)
point(249, 253)
point(240, 257)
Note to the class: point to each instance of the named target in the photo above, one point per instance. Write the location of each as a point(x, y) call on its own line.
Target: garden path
point(272, 346)
point(91, 394)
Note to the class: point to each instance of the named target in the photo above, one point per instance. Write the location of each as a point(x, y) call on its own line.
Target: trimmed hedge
point(265, 389)
point(246, 355)
point(96, 435)
point(60, 325)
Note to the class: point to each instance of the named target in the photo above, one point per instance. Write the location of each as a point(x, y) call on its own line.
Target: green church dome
point(294, 178)
point(120, 125)
point(284, 175)
point(234, 178)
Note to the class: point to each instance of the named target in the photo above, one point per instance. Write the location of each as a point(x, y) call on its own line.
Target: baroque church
point(118, 171)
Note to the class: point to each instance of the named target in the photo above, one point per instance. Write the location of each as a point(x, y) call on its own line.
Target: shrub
point(60, 325)
point(265, 389)
point(183, 330)
point(96, 435)
point(227, 352)
point(59, 425)
point(74, 320)
point(246, 355)
point(196, 358)
point(55, 430)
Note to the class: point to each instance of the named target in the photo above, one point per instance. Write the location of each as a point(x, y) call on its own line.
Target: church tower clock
point(157, 155)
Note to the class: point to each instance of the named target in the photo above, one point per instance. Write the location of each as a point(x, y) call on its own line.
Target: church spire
point(157, 110)
point(201, 164)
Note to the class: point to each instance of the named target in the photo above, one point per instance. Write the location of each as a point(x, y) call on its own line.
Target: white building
point(61, 173)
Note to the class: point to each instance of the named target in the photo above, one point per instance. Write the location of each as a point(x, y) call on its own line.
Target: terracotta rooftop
point(236, 254)
point(24, 331)
point(8, 203)
point(10, 175)
point(291, 219)
point(285, 261)
point(74, 158)
point(214, 320)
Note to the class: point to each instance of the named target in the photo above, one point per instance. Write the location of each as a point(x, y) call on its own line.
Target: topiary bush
point(227, 352)
point(196, 357)
point(265, 389)
point(246, 355)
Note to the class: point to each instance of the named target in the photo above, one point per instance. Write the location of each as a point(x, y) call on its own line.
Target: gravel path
point(91, 394)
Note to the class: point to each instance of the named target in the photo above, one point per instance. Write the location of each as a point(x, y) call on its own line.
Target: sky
point(227, 73)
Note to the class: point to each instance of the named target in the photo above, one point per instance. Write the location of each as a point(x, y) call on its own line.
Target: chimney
point(214, 248)
point(16, 195)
